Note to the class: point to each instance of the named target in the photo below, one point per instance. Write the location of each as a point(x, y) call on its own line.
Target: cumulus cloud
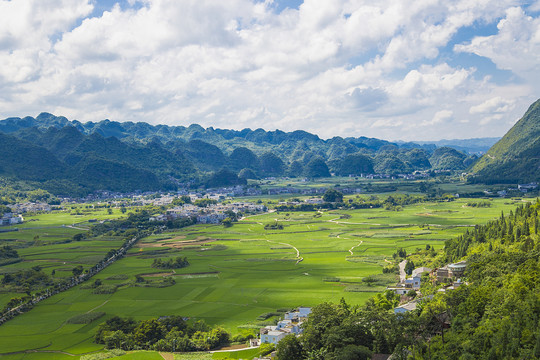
point(493, 105)
point(439, 117)
point(515, 47)
point(369, 68)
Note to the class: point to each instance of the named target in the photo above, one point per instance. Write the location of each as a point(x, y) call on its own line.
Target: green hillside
point(516, 157)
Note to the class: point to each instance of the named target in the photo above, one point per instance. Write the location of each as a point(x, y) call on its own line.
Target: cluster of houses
point(450, 275)
point(212, 214)
point(523, 188)
point(291, 324)
point(29, 207)
point(11, 219)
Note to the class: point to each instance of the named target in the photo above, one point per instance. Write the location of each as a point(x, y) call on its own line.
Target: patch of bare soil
point(167, 356)
point(234, 347)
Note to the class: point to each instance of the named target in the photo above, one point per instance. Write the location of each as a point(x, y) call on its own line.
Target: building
point(451, 271)
point(413, 283)
point(419, 271)
point(291, 324)
point(458, 269)
point(399, 290)
point(11, 219)
point(410, 306)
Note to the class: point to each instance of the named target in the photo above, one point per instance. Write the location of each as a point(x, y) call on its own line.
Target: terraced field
point(238, 273)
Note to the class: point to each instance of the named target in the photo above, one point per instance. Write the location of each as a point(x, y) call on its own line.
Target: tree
point(289, 348)
point(409, 267)
point(332, 195)
point(109, 211)
point(227, 222)
point(353, 352)
point(149, 331)
point(77, 270)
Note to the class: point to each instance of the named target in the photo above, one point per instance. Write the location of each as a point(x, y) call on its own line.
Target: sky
point(391, 69)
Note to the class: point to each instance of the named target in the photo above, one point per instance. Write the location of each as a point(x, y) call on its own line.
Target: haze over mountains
point(65, 156)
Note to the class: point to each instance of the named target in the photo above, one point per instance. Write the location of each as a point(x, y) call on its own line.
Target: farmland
point(237, 276)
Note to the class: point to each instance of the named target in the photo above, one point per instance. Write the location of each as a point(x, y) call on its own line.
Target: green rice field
point(236, 274)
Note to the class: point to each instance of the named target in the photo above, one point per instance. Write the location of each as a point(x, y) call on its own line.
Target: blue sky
point(392, 69)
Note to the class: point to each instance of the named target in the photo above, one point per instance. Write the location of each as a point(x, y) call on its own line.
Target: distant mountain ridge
point(141, 130)
point(108, 155)
point(516, 157)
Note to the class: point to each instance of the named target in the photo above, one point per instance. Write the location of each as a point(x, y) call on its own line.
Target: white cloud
point(515, 47)
point(439, 117)
point(343, 67)
point(494, 105)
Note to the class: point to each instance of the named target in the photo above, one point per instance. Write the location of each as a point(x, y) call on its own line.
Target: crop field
point(46, 240)
point(238, 276)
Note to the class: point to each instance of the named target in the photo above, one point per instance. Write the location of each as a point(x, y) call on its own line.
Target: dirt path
point(297, 251)
point(402, 274)
point(335, 221)
point(97, 307)
point(167, 356)
point(351, 249)
point(232, 350)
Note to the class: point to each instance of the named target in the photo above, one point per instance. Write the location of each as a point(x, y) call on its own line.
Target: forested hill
point(291, 145)
point(516, 157)
point(69, 157)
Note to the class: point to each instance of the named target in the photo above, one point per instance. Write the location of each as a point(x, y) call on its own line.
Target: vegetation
point(513, 159)
point(70, 158)
point(171, 263)
point(235, 274)
point(164, 334)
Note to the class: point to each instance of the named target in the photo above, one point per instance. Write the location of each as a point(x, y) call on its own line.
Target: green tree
point(289, 348)
point(409, 267)
point(149, 331)
point(333, 195)
point(77, 270)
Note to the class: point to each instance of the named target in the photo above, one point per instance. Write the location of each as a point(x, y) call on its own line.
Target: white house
point(410, 306)
point(271, 335)
point(291, 324)
point(413, 283)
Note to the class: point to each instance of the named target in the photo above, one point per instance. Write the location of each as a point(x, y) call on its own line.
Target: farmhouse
point(291, 324)
point(11, 219)
point(450, 271)
point(413, 283)
point(410, 306)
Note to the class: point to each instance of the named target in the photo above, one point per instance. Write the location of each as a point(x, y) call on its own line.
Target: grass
point(243, 272)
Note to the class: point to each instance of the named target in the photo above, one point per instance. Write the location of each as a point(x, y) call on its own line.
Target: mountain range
point(70, 157)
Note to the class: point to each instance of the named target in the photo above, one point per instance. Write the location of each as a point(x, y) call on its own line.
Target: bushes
point(171, 263)
point(273, 226)
point(160, 334)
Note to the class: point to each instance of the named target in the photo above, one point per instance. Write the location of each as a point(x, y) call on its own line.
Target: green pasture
point(238, 273)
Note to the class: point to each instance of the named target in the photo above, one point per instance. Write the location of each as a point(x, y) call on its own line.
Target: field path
point(97, 307)
point(402, 274)
point(297, 251)
point(167, 356)
point(351, 249)
point(335, 221)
